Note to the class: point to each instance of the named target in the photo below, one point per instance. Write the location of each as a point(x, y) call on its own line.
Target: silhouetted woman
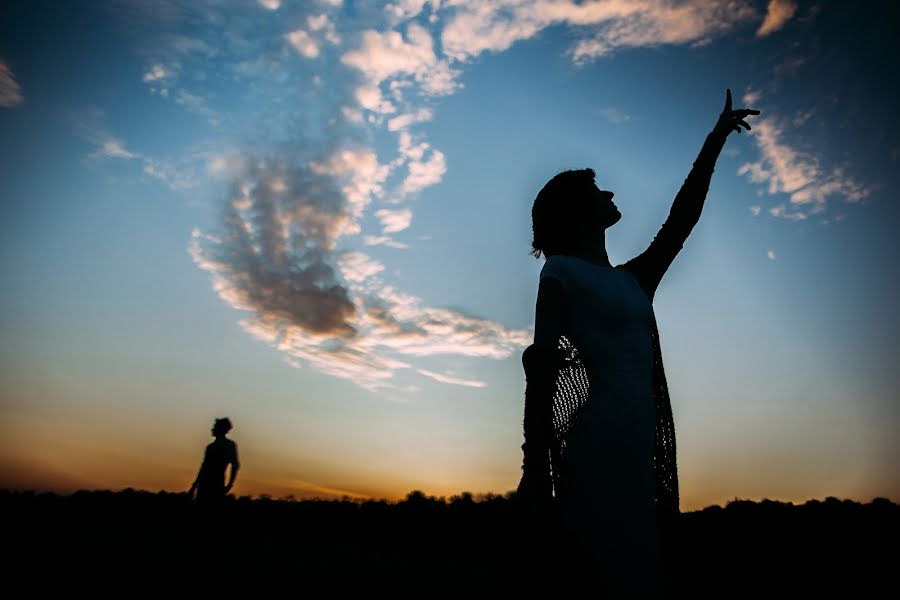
point(599, 449)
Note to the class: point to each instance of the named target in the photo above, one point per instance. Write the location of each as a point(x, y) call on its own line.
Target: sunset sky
point(314, 218)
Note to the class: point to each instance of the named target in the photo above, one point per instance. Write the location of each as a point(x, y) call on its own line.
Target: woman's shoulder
point(556, 263)
point(560, 266)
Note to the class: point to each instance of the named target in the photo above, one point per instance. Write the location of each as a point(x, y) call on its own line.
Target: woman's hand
point(730, 120)
point(534, 495)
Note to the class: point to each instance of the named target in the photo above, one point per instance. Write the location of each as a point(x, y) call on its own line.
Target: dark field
point(137, 543)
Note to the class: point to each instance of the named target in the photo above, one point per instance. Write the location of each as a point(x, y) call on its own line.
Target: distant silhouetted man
point(210, 484)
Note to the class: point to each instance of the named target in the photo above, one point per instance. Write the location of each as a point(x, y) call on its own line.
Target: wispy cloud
point(449, 378)
point(155, 73)
point(110, 147)
point(357, 267)
point(803, 116)
point(383, 55)
point(197, 105)
point(605, 25)
point(175, 174)
point(383, 240)
point(181, 174)
point(770, 254)
point(10, 90)
point(393, 221)
point(322, 24)
point(303, 43)
point(778, 13)
point(801, 175)
point(405, 120)
point(613, 115)
point(160, 78)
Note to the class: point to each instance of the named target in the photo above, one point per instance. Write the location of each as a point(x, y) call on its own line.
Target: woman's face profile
point(607, 212)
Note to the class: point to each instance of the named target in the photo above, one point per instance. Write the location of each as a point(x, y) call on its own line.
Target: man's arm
point(197, 479)
point(235, 465)
point(650, 266)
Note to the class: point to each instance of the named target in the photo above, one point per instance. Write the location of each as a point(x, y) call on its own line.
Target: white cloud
point(361, 176)
point(369, 97)
point(770, 254)
point(352, 114)
point(177, 176)
point(444, 378)
point(751, 97)
point(110, 147)
point(778, 13)
point(357, 266)
point(403, 10)
point(322, 23)
point(393, 221)
point(270, 4)
point(423, 173)
point(405, 120)
point(228, 165)
point(155, 73)
point(10, 91)
point(160, 78)
point(385, 55)
point(383, 240)
point(303, 43)
point(755, 210)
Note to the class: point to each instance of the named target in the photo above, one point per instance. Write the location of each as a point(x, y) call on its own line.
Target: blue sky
point(315, 218)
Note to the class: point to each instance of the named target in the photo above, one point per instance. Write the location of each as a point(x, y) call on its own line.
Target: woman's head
point(567, 210)
point(221, 426)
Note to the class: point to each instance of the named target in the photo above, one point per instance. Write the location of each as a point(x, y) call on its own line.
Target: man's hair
point(222, 426)
point(559, 208)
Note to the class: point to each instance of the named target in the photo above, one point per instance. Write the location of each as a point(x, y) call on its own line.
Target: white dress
point(610, 508)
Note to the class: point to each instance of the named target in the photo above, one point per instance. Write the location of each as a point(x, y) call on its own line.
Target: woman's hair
point(560, 207)
point(222, 426)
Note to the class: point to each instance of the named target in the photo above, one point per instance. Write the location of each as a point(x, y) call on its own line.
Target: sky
point(315, 218)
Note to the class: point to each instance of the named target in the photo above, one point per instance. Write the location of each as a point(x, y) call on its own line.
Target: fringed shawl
point(569, 398)
point(567, 380)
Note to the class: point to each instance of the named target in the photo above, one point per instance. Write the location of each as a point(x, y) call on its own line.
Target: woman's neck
point(594, 251)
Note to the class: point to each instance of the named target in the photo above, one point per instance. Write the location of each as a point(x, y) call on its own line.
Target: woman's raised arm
point(650, 266)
